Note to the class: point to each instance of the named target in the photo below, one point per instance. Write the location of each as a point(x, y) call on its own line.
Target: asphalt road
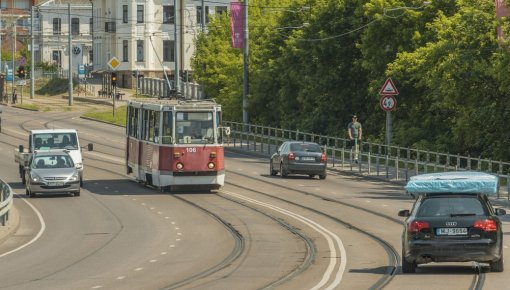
point(258, 231)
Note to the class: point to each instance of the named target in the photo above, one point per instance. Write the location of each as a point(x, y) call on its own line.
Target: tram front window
point(194, 128)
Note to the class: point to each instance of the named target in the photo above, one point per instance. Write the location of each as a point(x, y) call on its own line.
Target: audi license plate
point(451, 231)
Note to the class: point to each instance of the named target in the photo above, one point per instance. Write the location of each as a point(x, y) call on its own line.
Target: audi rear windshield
point(450, 206)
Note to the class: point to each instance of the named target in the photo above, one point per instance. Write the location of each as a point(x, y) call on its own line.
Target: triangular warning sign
point(388, 88)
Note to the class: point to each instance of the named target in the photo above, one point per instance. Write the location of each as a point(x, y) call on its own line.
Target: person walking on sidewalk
point(355, 133)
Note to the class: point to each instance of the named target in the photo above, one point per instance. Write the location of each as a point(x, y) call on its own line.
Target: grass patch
point(107, 116)
point(32, 107)
point(53, 87)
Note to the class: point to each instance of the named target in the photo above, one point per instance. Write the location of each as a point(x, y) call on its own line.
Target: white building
point(51, 31)
point(141, 35)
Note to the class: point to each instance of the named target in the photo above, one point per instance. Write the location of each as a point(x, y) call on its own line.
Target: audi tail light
point(486, 225)
point(291, 156)
point(416, 226)
point(324, 158)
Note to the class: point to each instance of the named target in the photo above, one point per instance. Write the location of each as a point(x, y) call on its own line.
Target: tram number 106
point(191, 150)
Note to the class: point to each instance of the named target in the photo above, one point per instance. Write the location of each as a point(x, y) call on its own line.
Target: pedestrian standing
point(14, 96)
point(355, 133)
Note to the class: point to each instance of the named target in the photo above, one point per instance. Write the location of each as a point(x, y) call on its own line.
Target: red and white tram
point(175, 144)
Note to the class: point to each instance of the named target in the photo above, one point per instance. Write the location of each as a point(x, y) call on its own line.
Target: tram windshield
point(194, 128)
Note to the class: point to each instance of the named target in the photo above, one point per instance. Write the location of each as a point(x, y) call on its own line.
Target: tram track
point(393, 255)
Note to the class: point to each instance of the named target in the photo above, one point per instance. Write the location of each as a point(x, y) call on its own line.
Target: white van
point(54, 139)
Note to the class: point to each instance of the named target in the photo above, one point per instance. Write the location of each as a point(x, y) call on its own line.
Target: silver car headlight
point(74, 177)
point(34, 177)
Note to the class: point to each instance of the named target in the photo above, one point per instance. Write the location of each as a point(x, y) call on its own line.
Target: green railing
point(391, 162)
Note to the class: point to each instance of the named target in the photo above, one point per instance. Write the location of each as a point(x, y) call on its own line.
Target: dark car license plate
point(451, 231)
point(306, 158)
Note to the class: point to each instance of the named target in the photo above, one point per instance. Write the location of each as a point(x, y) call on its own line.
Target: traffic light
point(114, 79)
point(21, 72)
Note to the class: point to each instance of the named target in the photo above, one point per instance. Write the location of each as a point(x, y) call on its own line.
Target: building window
point(56, 57)
point(124, 14)
point(124, 50)
point(91, 26)
point(139, 13)
point(220, 10)
point(168, 50)
point(168, 14)
point(75, 26)
point(199, 15)
point(57, 26)
point(139, 50)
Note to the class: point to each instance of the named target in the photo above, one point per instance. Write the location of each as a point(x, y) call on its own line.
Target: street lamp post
point(246, 87)
point(13, 55)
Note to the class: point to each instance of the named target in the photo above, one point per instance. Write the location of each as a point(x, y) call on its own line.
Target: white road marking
point(39, 234)
point(179, 234)
point(121, 277)
point(384, 205)
point(172, 246)
point(152, 208)
point(173, 223)
point(97, 287)
point(163, 253)
point(153, 261)
point(328, 235)
point(160, 212)
point(177, 228)
point(167, 217)
point(177, 240)
point(139, 269)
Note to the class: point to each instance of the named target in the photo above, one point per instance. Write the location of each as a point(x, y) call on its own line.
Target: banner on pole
point(237, 23)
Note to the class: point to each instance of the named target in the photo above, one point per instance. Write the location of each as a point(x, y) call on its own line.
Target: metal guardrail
point(391, 162)
point(5, 202)
point(159, 88)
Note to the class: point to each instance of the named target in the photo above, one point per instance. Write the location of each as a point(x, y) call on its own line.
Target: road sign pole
point(388, 129)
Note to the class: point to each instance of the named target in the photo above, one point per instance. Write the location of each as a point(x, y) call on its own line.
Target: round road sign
point(388, 102)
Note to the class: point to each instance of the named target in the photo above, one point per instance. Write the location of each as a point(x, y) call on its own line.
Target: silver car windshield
point(52, 161)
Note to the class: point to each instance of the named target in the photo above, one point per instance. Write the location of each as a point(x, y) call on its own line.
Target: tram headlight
point(210, 165)
point(179, 166)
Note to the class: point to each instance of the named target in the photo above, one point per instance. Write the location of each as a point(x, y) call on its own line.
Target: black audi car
point(452, 220)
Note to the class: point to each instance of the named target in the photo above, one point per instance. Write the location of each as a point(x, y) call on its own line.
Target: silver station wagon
point(52, 172)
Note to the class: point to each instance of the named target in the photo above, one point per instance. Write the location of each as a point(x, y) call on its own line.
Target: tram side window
point(145, 125)
point(154, 126)
point(166, 137)
point(133, 122)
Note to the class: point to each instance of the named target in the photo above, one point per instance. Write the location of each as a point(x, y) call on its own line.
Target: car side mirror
point(500, 211)
point(90, 147)
point(21, 148)
point(404, 213)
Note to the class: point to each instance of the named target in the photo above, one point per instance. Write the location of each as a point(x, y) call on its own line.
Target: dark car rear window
point(305, 147)
point(447, 206)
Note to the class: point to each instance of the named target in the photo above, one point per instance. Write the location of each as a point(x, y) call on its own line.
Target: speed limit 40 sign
point(388, 102)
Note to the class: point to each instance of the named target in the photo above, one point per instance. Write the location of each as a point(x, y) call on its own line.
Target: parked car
point(295, 157)
point(52, 172)
point(452, 220)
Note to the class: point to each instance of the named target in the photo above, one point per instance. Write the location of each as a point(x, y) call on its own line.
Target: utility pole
point(1, 29)
point(202, 16)
point(177, 22)
point(246, 88)
point(32, 56)
point(70, 49)
point(13, 54)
